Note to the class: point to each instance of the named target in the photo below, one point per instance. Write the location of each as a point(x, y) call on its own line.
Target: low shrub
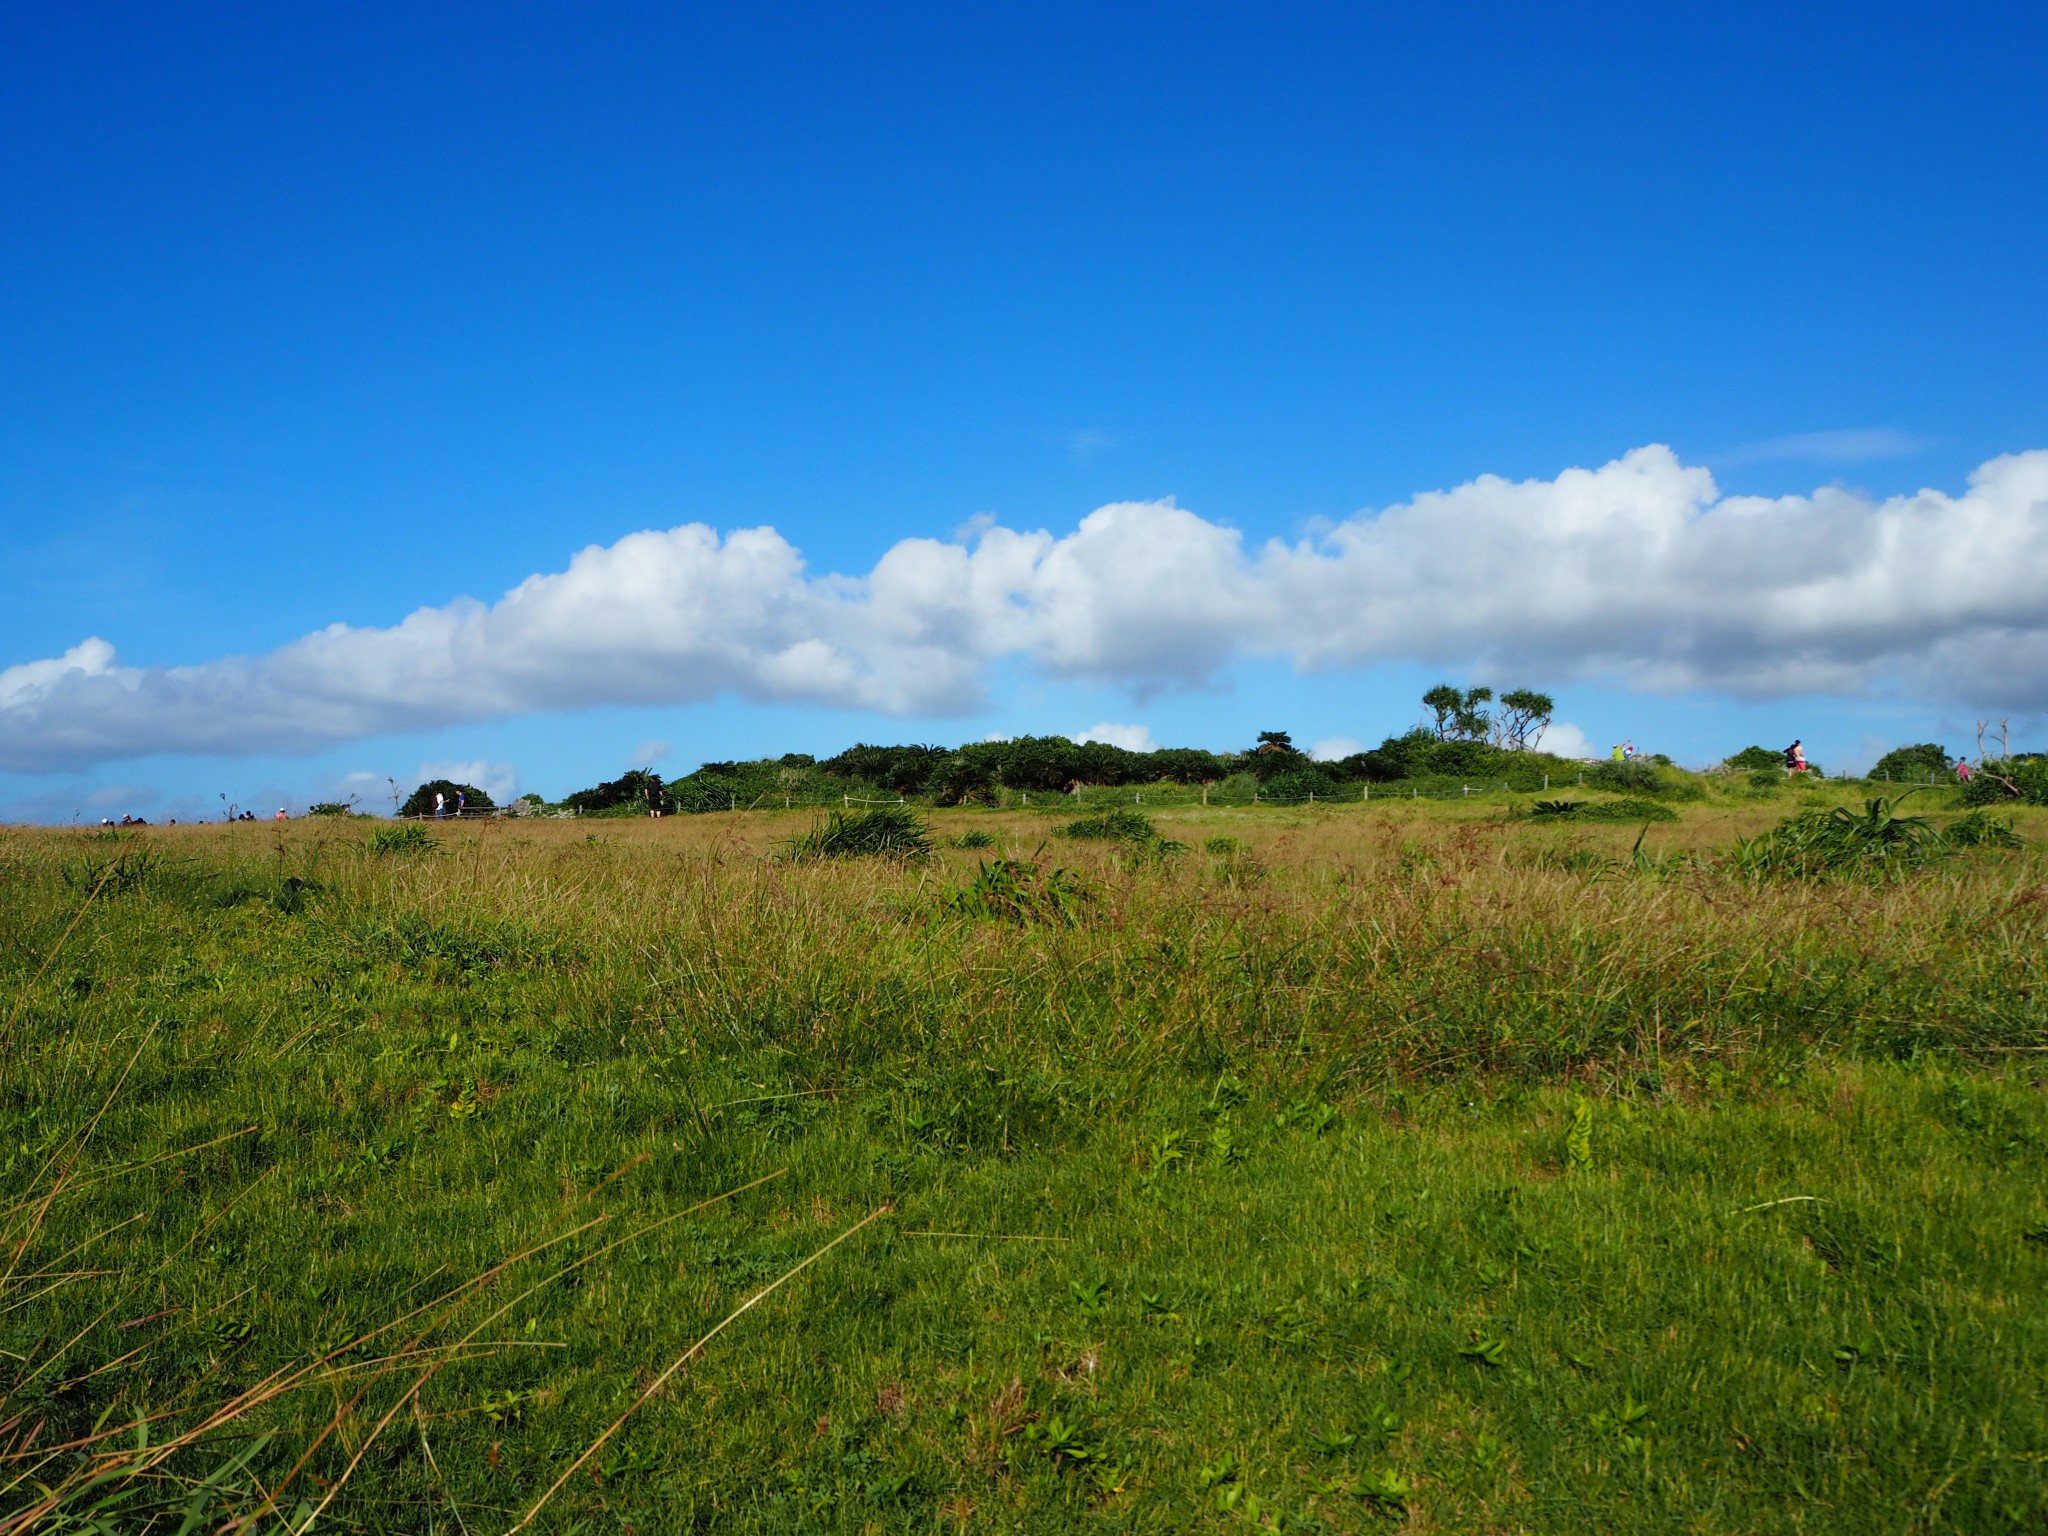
point(1234, 863)
point(1755, 759)
point(976, 839)
point(1879, 842)
point(1299, 786)
point(1636, 776)
point(1923, 763)
point(2015, 781)
point(1628, 808)
point(888, 831)
point(404, 837)
point(1021, 892)
point(132, 870)
point(1977, 830)
point(1117, 826)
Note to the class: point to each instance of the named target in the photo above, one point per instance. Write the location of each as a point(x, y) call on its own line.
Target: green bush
point(1921, 764)
point(1032, 764)
point(402, 837)
point(627, 795)
point(1455, 758)
point(1629, 808)
point(1238, 786)
point(1753, 759)
point(1642, 776)
point(1300, 785)
point(1816, 843)
point(975, 840)
point(888, 831)
point(1114, 826)
point(900, 770)
point(1635, 776)
point(705, 791)
point(1021, 892)
point(421, 801)
point(2015, 781)
point(1977, 830)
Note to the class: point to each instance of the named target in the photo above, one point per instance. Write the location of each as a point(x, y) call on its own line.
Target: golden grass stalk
point(147, 1461)
point(688, 1355)
point(427, 1374)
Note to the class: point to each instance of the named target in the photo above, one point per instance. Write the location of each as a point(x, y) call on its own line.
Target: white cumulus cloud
point(1334, 749)
point(1637, 572)
point(1563, 739)
point(1132, 738)
point(498, 780)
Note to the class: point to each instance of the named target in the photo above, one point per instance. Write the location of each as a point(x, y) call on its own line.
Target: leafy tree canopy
point(1524, 716)
point(1459, 714)
point(630, 789)
point(1309, 781)
point(1920, 761)
point(421, 801)
point(1750, 759)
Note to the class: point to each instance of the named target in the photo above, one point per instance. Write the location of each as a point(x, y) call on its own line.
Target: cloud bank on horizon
point(1638, 572)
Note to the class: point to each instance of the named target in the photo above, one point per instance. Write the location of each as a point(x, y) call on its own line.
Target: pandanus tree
point(1524, 717)
point(1459, 714)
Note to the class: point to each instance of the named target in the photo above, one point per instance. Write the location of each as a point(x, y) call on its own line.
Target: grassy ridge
point(1392, 1163)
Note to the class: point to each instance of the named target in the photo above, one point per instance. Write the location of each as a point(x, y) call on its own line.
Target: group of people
point(1795, 759)
point(143, 821)
point(441, 806)
point(140, 821)
point(1795, 762)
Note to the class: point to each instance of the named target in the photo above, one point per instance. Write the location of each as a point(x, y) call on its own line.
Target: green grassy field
point(1355, 1167)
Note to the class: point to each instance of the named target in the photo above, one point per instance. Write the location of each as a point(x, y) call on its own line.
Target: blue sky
point(314, 317)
